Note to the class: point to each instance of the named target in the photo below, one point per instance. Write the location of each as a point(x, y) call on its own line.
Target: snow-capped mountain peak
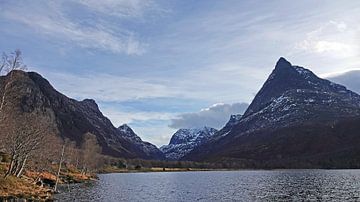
point(183, 136)
point(286, 79)
point(185, 140)
point(293, 110)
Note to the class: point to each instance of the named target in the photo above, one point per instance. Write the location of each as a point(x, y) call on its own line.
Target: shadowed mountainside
point(25, 93)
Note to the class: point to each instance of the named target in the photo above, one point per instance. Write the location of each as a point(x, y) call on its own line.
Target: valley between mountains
point(296, 120)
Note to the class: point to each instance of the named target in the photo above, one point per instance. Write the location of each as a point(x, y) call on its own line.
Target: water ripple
point(281, 185)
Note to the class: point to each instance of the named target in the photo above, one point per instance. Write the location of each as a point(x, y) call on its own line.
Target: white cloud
point(332, 38)
point(214, 116)
point(51, 19)
point(110, 88)
point(192, 85)
point(119, 117)
point(325, 46)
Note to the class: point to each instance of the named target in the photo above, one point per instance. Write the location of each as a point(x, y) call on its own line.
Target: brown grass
point(20, 187)
point(24, 187)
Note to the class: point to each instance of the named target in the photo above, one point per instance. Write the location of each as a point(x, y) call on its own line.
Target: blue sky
point(162, 65)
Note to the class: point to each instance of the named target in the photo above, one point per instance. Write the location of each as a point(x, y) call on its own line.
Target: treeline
point(135, 164)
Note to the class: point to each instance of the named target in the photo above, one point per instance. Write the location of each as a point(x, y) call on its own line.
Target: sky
point(163, 65)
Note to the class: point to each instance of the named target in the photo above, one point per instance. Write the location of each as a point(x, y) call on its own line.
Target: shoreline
point(27, 188)
point(169, 170)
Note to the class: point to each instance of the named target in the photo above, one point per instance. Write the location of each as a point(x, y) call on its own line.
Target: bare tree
point(73, 154)
point(59, 168)
point(91, 151)
point(21, 144)
point(47, 153)
point(24, 135)
point(12, 61)
point(3, 63)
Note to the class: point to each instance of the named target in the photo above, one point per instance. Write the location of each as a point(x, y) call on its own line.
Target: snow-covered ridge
point(185, 140)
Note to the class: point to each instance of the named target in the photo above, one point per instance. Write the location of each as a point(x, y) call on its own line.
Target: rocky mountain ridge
point(28, 93)
point(293, 100)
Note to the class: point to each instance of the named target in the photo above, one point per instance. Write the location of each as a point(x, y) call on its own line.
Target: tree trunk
point(8, 172)
point(59, 169)
point(21, 168)
point(77, 164)
point(15, 166)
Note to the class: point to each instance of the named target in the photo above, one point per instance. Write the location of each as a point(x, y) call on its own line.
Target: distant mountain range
point(28, 93)
point(296, 120)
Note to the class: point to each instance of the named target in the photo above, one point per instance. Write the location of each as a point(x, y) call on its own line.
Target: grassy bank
point(13, 187)
point(27, 186)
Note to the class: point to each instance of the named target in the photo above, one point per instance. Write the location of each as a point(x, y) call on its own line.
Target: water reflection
point(282, 185)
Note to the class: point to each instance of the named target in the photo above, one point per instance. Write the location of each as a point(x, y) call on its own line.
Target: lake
point(278, 185)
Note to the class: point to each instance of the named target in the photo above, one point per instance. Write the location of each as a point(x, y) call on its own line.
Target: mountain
point(293, 118)
point(185, 140)
point(28, 94)
point(146, 148)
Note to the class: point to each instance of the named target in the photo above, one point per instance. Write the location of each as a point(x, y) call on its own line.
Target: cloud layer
point(215, 116)
point(349, 79)
point(55, 20)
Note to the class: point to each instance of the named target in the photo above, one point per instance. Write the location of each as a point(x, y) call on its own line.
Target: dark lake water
point(281, 185)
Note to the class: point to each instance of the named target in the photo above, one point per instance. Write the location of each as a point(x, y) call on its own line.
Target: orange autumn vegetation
point(25, 187)
point(21, 187)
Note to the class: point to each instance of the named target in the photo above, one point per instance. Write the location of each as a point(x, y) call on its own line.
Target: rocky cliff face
point(185, 140)
point(292, 101)
point(24, 93)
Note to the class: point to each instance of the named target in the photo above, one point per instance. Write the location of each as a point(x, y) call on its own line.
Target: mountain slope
point(185, 140)
point(292, 101)
point(146, 148)
point(28, 93)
